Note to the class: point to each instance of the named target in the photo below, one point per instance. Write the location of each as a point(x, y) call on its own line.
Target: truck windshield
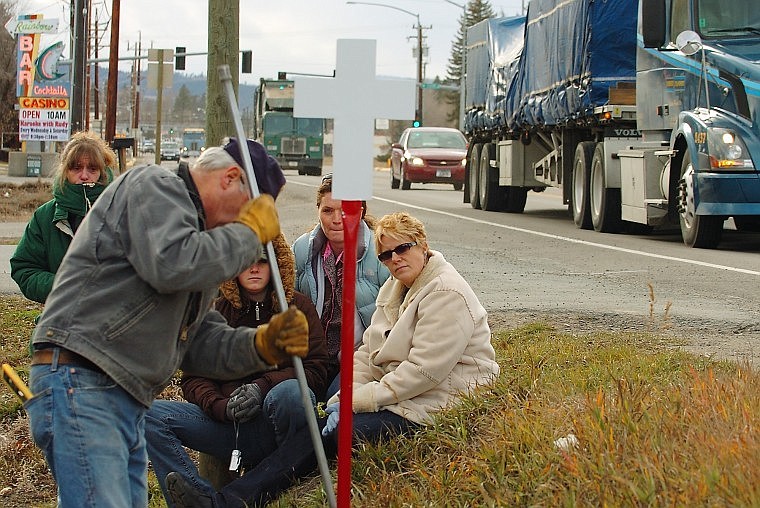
point(309, 126)
point(717, 17)
point(278, 124)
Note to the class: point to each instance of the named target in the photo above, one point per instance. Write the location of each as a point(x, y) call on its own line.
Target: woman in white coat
point(428, 343)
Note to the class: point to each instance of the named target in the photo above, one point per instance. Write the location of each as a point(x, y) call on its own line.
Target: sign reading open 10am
point(43, 87)
point(43, 119)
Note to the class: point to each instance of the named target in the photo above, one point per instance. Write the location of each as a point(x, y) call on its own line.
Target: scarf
point(78, 198)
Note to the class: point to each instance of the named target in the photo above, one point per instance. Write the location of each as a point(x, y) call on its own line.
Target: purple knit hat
point(268, 172)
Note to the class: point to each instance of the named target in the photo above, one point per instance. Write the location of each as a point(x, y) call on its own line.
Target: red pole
point(352, 215)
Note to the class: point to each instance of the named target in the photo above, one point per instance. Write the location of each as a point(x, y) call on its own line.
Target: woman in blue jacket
point(319, 274)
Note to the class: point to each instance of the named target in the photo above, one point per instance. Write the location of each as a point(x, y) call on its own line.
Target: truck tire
point(489, 192)
point(514, 199)
point(474, 176)
point(700, 231)
point(605, 203)
point(584, 153)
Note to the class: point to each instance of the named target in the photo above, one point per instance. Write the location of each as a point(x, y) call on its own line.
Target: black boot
point(184, 495)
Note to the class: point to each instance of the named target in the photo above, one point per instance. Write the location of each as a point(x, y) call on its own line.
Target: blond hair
point(85, 143)
point(400, 226)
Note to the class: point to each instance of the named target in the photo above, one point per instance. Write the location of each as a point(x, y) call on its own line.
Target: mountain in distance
point(195, 83)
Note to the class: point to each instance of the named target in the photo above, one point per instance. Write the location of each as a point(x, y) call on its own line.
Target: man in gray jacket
point(131, 304)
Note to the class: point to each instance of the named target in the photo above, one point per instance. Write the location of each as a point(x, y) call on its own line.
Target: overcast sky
point(285, 35)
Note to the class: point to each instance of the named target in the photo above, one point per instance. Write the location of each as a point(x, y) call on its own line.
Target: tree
point(184, 105)
point(475, 11)
point(8, 114)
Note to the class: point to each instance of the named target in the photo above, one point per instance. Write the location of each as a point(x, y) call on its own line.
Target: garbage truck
point(644, 113)
point(296, 143)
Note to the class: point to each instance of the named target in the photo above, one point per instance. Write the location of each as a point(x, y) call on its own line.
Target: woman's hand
point(332, 412)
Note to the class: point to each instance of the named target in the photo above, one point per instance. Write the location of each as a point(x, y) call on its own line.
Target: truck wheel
point(474, 176)
point(394, 181)
point(701, 231)
point(515, 198)
point(584, 153)
point(405, 184)
point(605, 203)
point(489, 192)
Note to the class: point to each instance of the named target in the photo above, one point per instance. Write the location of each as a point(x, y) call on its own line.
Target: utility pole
point(136, 115)
point(223, 48)
point(418, 114)
point(96, 88)
point(78, 68)
point(88, 72)
point(113, 72)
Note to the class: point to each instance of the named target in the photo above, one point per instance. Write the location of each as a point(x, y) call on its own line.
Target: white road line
point(565, 238)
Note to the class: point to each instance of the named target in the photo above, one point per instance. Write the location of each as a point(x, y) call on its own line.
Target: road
point(539, 266)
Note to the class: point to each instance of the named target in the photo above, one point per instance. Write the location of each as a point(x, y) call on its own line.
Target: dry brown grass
point(18, 202)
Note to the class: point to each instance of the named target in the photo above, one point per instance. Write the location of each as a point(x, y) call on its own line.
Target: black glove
point(244, 403)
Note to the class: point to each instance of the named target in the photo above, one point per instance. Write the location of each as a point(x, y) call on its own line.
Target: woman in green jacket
point(83, 173)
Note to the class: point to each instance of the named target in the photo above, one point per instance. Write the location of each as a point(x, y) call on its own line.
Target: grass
point(18, 202)
point(654, 427)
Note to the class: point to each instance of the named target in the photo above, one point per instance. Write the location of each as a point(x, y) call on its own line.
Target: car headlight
point(727, 150)
point(416, 161)
point(464, 162)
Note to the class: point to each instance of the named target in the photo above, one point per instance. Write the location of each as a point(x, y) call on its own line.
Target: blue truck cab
point(698, 93)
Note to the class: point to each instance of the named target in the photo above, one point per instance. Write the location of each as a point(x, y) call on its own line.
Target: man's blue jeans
point(92, 434)
point(170, 426)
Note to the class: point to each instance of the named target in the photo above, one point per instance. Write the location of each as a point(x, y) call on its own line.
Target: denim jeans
point(375, 427)
point(263, 443)
point(92, 434)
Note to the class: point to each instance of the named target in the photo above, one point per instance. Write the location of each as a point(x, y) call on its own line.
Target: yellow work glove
point(287, 334)
point(260, 215)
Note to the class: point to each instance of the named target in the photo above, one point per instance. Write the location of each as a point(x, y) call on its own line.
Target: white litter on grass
point(567, 443)
point(7, 194)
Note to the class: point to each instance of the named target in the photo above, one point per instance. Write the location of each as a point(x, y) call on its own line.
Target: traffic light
point(417, 123)
point(179, 58)
point(247, 61)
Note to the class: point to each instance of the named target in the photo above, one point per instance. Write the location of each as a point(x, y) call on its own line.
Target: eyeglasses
point(399, 250)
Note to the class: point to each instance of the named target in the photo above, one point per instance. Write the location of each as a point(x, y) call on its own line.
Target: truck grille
point(290, 146)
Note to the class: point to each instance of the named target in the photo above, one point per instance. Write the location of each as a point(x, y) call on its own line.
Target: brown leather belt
point(65, 357)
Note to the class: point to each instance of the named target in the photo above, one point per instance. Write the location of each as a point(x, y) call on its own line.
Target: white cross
point(354, 99)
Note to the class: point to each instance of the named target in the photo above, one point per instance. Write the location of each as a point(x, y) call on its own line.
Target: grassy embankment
point(654, 427)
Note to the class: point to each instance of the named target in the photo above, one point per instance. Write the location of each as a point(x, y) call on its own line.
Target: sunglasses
point(399, 250)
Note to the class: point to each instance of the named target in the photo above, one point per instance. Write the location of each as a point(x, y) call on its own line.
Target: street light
point(462, 77)
point(418, 112)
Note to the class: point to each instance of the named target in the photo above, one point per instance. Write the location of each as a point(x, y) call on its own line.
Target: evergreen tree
point(184, 105)
point(476, 11)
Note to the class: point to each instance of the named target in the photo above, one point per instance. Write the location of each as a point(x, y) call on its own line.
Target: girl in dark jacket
point(83, 173)
point(253, 418)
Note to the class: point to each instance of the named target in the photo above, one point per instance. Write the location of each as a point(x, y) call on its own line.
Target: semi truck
point(296, 143)
point(644, 113)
